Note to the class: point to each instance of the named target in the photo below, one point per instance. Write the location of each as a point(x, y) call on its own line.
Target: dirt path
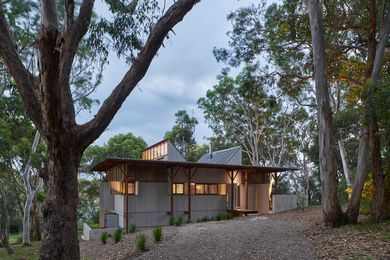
point(254, 238)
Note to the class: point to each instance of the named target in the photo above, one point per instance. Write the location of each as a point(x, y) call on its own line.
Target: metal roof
point(220, 157)
point(112, 162)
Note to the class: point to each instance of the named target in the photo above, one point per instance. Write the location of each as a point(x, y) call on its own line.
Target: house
point(162, 184)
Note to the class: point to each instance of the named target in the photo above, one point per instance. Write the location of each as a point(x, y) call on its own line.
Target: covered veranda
point(249, 174)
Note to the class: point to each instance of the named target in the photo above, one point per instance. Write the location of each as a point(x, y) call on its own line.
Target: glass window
point(192, 188)
point(222, 189)
point(130, 188)
point(178, 188)
point(200, 189)
point(115, 187)
point(213, 189)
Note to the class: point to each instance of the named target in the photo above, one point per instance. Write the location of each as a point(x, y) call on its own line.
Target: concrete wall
point(94, 234)
point(106, 200)
point(283, 202)
point(151, 206)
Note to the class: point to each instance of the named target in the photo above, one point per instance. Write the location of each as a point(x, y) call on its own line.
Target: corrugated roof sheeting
point(225, 156)
point(112, 162)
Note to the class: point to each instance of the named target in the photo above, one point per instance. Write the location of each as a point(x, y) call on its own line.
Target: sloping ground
point(362, 241)
point(246, 238)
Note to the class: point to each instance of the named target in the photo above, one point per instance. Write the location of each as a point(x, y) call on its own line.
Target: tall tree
point(182, 133)
point(333, 214)
point(48, 101)
point(121, 145)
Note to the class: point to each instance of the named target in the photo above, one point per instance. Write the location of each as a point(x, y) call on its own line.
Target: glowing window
point(178, 188)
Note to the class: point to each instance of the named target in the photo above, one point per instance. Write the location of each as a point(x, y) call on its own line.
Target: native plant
point(141, 243)
point(104, 237)
point(118, 235)
point(157, 234)
point(133, 228)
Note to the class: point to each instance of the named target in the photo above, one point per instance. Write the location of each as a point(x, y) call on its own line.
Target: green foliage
point(182, 133)
point(104, 237)
point(244, 111)
point(15, 239)
point(122, 145)
point(171, 221)
point(178, 221)
point(157, 234)
point(386, 236)
point(224, 216)
point(133, 228)
point(88, 210)
point(197, 151)
point(126, 29)
point(22, 252)
point(141, 243)
point(118, 235)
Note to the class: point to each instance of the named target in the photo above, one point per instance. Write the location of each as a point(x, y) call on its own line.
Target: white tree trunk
point(30, 193)
point(343, 155)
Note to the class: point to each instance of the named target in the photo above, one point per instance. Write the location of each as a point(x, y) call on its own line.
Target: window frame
point(174, 188)
point(206, 188)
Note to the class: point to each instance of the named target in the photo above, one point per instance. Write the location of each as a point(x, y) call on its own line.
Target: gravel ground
point(125, 249)
point(245, 238)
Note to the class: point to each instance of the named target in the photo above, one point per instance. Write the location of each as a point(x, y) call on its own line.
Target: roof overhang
point(110, 163)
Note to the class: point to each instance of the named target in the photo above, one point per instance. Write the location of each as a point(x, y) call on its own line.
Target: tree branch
point(71, 39)
point(49, 17)
point(69, 12)
point(23, 78)
point(176, 13)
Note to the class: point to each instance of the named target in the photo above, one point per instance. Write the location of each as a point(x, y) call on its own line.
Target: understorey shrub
point(171, 221)
point(179, 221)
point(104, 237)
point(117, 235)
point(133, 228)
point(157, 234)
point(141, 243)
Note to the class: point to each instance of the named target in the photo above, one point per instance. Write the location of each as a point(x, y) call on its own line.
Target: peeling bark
point(333, 215)
point(49, 104)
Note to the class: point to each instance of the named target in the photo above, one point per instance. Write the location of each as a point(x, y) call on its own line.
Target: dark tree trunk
point(333, 215)
point(37, 225)
point(360, 177)
point(4, 223)
point(377, 172)
point(60, 208)
point(48, 102)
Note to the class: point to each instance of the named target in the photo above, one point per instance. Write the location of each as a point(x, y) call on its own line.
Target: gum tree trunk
point(30, 194)
point(37, 225)
point(344, 161)
point(48, 102)
point(4, 223)
point(60, 207)
point(333, 215)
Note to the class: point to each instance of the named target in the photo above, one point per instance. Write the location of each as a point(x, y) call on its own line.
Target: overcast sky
point(181, 73)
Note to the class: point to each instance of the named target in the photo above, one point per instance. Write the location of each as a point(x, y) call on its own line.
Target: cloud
point(179, 75)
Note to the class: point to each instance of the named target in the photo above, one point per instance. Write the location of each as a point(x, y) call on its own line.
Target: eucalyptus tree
point(333, 214)
point(280, 34)
point(182, 133)
point(47, 95)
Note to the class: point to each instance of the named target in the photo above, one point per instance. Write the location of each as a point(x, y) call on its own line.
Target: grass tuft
point(118, 235)
point(141, 243)
point(157, 234)
point(104, 237)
